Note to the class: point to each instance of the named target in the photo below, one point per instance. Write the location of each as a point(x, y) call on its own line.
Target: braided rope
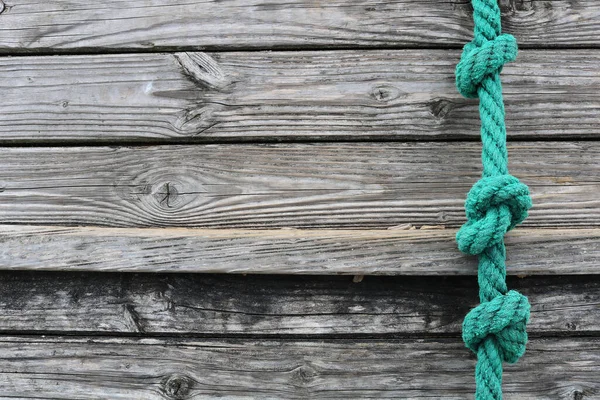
point(496, 329)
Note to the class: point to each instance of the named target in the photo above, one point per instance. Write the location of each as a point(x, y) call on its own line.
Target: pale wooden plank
point(148, 369)
point(200, 97)
point(78, 25)
point(283, 251)
point(194, 304)
point(340, 185)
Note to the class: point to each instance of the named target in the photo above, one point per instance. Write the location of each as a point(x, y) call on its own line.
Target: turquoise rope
point(496, 329)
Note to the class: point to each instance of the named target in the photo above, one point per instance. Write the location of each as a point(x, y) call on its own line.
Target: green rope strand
point(496, 329)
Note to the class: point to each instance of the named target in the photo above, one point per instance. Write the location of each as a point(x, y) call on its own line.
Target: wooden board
point(148, 369)
point(225, 305)
point(349, 185)
point(288, 251)
point(199, 97)
point(78, 25)
point(345, 73)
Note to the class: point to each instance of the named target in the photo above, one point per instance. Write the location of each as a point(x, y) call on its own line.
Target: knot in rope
point(478, 62)
point(505, 317)
point(495, 329)
point(494, 206)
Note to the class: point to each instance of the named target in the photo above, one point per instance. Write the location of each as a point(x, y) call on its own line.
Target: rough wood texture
point(295, 95)
point(78, 25)
point(287, 251)
point(351, 185)
point(342, 207)
point(195, 304)
point(149, 369)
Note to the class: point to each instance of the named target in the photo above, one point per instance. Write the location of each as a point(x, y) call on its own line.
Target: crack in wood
point(132, 316)
point(167, 195)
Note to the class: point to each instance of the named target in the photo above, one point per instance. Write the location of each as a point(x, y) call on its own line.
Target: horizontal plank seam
point(205, 141)
point(294, 231)
point(290, 337)
point(83, 51)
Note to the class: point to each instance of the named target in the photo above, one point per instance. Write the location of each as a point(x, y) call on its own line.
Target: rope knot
point(494, 206)
point(478, 62)
point(505, 318)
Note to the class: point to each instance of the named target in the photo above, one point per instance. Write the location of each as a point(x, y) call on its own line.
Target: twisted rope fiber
point(496, 329)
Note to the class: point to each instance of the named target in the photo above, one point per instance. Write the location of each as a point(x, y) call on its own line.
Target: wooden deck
point(258, 199)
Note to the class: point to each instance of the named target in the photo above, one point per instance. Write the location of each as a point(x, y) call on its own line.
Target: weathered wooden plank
point(295, 95)
point(78, 25)
point(287, 251)
point(347, 185)
point(148, 369)
point(193, 304)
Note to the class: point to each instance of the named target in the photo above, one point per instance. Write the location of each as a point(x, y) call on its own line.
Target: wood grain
point(348, 185)
point(134, 74)
point(78, 25)
point(288, 251)
point(251, 96)
point(225, 305)
point(148, 369)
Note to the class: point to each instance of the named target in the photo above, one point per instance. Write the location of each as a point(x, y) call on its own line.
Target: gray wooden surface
point(172, 305)
point(78, 25)
point(346, 185)
point(401, 250)
point(89, 336)
point(149, 369)
point(142, 138)
point(316, 95)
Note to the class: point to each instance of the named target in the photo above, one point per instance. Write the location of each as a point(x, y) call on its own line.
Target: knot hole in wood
point(177, 387)
point(167, 195)
point(441, 107)
point(508, 7)
point(385, 93)
point(197, 119)
point(303, 375)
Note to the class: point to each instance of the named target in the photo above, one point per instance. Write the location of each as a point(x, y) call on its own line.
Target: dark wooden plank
point(288, 251)
point(78, 25)
point(193, 304)
point(148, 369)
point(200, 97)
point(347, 185)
